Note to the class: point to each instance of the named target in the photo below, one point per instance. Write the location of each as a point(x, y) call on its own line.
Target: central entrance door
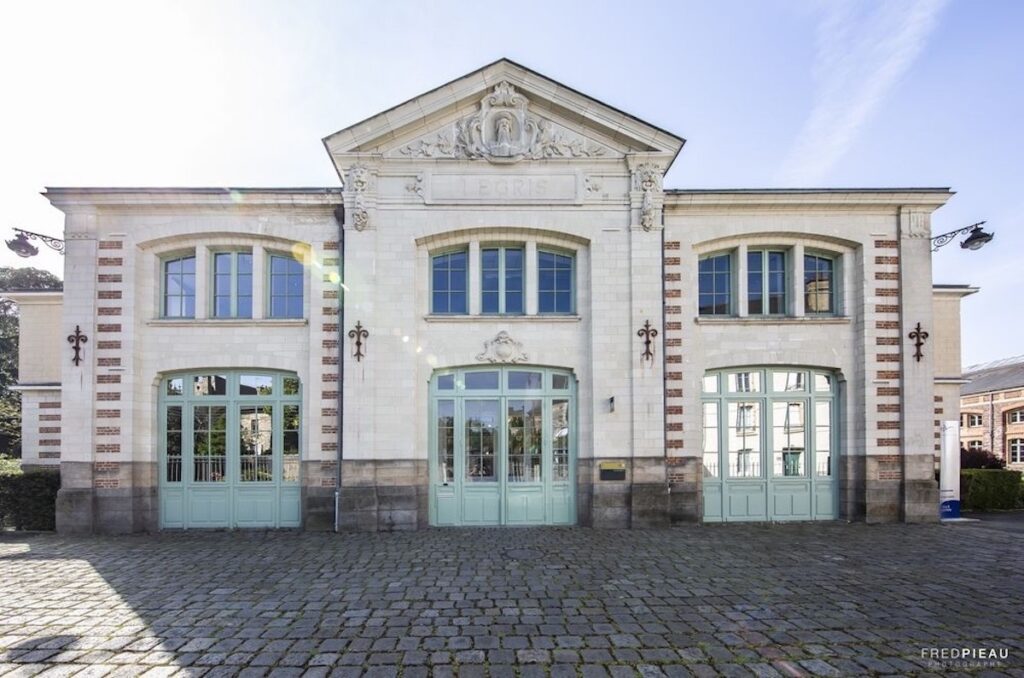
point(502, 447)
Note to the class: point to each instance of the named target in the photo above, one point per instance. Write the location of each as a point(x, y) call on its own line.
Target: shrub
point(980, 459)
point(27, 500)
point(987, 489)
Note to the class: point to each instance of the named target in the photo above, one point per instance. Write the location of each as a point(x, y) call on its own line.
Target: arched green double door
point(502, 446)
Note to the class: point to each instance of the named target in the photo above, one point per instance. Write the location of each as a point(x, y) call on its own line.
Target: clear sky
point(768, 94)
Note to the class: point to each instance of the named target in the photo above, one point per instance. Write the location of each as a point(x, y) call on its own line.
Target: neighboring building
point(992, 410)
point(948, 370)
point(530, 330)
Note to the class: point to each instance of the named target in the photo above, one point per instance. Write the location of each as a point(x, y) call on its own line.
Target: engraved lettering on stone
point(503, 132)
point(502, 349)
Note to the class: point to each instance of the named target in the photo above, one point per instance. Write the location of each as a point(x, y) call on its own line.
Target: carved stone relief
point(647, 179)
point(504, 131)
point(502, 349)
point(358, 185)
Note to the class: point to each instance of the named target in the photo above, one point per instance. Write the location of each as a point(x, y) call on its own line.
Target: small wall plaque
point(612, 470)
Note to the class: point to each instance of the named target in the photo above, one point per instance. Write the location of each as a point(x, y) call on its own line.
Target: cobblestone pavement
point(828, 599)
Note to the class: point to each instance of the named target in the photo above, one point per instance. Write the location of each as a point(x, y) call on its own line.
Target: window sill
point(227, 322)
point(761, 321)
point(542, 318)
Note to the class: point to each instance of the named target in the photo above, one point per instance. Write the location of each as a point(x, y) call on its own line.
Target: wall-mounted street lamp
point(21, 246)
point(975, 241)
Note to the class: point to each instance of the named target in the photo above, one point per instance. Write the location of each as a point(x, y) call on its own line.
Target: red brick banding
point(111, 245)
point(49, 417)
point(108, 448)
point(104, 395)
point(887, 261)
point(886, 407)
point(108, 362)
point(330, 327)
point(887, 341)
point(887, 308)
point(887, 325)
point(108, 414)
point(888, 358)
point(109, 278)
point(50, 442)
point(886, 244)
point(330, 244)
point(108, 430)
point(887, 390)
point(108, 294)
point(329, 376)
point(329, 343)
point(329, 360)
point(888, 442)
point(49, 429)
point(108, 310)
point(49, 406)
point(671, 244)
point(108, 328)
point(110, 261)
point(887, 292)
point(672, 261)
point(109, 345)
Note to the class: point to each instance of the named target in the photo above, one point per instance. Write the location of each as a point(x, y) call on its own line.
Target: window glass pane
point(513, 302)
point(255, 444)
point(755, 281)
point(188, 307)
point(788, 439)
point(291, 386)
point(525, 455)
point(560, 438)
point(212, 385)
point(489, 259)
point(744, 382)
point(710, 446)
point(176, 386)
point(822, 383)
point(209, 444)
point(173, 427)
point(291, 424)
point(457, 302)
point(446, 382)
point(744, 439)
point(714, 282)
point(776, 282)
point(788, 381)
point(823, 438)
point(287, 279)
point(476, 381)
point(446, 440)
point(245, 307)
point(249, 384)
point(481, 439)
point(525, 380)
point(710, 383)
point(818, 284)
point(489, 301)
point(555, 283)
point(222, 307)
point(559, 382)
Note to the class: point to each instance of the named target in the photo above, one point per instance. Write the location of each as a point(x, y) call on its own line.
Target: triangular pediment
point(502, 113)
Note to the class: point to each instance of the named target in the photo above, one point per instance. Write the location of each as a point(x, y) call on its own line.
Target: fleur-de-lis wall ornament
point(359, 333)
point(919, 336)
point(76, 340)
point(647, 333)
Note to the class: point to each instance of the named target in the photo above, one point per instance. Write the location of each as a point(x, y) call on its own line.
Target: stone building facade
point(501, 317)
point(992, 410)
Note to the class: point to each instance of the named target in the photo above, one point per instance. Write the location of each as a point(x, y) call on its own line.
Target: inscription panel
point(484, 189)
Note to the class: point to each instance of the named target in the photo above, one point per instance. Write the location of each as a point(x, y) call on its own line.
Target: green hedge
point(28, 500)
point(987, 489)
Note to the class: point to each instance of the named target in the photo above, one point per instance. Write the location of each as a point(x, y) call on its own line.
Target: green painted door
point(502, 447)
point(230, 450)
point(769, 443)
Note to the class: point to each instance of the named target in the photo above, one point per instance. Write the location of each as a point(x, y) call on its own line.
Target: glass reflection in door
point(525, 426)
point(481, 440)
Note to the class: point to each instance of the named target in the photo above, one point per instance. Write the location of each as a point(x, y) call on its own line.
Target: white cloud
point(860, 56)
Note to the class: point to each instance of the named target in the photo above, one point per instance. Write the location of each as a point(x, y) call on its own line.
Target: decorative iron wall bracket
point(647, 333)
point(359, 333)
point(919, 337)
point(76, 340)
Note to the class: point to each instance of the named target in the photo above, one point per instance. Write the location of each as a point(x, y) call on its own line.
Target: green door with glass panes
point(502, 447)
point(770, 444)
point(230, 450)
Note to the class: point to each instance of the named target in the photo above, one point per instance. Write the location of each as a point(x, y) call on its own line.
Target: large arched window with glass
point(769, 444)
point(230, 449)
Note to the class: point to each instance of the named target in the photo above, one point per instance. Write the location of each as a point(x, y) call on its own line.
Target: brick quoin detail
point(110, 261)
point(887, 308)
point(49, 429)
point(671, 244)
point(673, 310)
point(106, 483)
point(108, 294)
point(887, 292)
point(674, 426)
point(330, 360)
point(887, 261)
point(108, 448)
point(109, 278)
point(103, 395)
point(673, 325)
point(673, 294)
point(49, 455)
point(886, 244)
point(328, 447)
point(328, 429)
point(49, 417)
point(108, 362)
point(888, 374)
point(330, 261)
point(328, 395)
point(108, 344)
point(111, 245)
point(330, 294)
point(674, 444)
point(330, 327)
point(329, 343)
point(108, 378)
point(887, 341)
point(108, 310)
point(885, 407)
point(50, 442)
point(674, 409)
point(674, 376)
point(674, 342)
point(888, 425)
point(674, 392)
point(108, 430)
point(672, 261)
point(888, 390)
point(108, 328)
point(49, 406)
point(108, 414)
point(886, 275)
point(330, 244)
point(888, 442)
point(672, 277)
point(328, 411)
point(329, 376)
point(888, 358)
point(887, 325)
point(329, 310)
